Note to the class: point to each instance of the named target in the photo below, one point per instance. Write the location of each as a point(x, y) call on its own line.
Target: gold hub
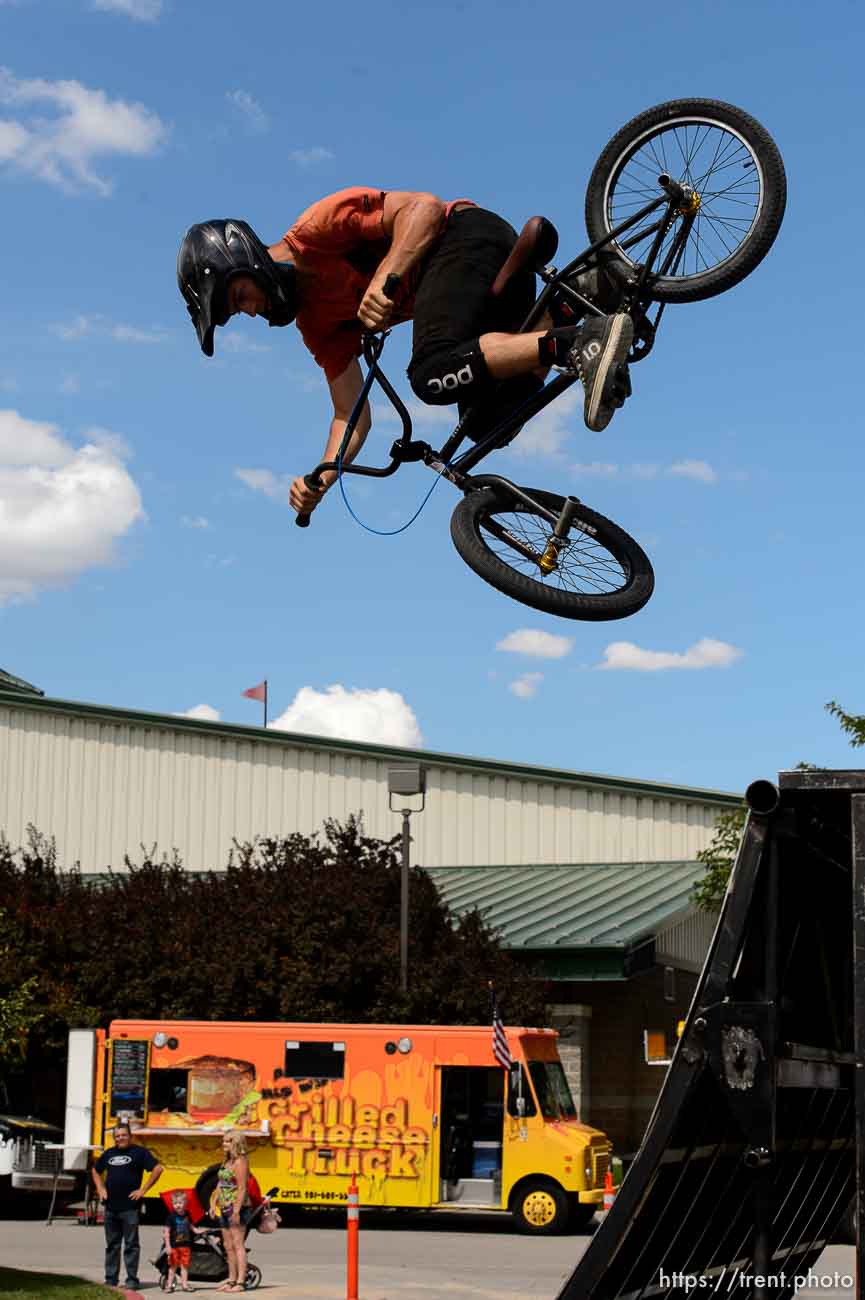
point(539, 1208)
point(549, 561)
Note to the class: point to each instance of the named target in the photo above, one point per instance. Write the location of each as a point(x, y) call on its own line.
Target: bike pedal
point(622, 384)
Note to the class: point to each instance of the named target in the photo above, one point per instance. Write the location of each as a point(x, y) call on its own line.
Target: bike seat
point(536, 245)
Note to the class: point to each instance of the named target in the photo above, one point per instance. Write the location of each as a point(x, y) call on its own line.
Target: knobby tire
point(630, 567)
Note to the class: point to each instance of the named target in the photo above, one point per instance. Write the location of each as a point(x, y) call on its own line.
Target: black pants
point(121, 1226)
point(453, 308)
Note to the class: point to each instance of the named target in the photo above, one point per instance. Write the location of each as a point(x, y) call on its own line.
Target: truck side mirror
point(516, 1090)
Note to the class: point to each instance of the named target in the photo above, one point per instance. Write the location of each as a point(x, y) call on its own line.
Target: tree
point(301, 928)
point(851, 723)
point(19, 1010)
point(718, 858)
point(720, 854)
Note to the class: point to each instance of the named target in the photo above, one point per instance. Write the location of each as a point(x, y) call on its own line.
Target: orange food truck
point(423, 1115)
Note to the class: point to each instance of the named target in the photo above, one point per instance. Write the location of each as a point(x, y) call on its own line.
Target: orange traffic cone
point(609, 1190)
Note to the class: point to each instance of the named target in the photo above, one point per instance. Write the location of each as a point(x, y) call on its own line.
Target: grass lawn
point(16, 1284)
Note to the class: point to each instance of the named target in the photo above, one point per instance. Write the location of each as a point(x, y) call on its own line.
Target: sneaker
point(598, 357)
point(599, 285)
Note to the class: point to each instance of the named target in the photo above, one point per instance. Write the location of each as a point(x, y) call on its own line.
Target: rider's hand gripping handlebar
point(389, 289)
point(311, 481)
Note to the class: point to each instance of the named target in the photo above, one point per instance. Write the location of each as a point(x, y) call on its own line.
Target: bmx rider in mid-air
point(329, 271)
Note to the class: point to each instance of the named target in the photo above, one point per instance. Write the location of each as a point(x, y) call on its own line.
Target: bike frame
point(635, 298)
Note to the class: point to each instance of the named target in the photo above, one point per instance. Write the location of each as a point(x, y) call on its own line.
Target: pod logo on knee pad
point(449, 382)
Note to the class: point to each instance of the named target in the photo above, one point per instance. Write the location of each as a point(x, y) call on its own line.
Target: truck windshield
point(553, 1092)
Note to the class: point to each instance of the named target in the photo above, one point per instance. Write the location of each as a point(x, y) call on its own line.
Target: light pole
point(405, 781)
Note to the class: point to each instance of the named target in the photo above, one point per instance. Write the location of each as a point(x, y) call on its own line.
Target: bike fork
point(549, 561)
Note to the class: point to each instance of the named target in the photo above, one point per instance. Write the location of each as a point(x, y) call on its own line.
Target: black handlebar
point(389, 289)
point(302, 520)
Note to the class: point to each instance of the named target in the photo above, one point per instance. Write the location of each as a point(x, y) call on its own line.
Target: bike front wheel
point(601, 573)
point(733, 168)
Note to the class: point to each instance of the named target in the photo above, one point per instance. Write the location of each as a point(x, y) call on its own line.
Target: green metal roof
point(597, 906)
point(8, 682)
point(12, 696)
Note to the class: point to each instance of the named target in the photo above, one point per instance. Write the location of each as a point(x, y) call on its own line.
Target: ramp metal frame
point(756, 1146)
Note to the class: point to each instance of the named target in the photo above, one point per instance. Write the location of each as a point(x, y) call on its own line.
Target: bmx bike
point(683, 203)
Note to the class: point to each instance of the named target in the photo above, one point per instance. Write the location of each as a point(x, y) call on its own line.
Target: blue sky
point(139, 568)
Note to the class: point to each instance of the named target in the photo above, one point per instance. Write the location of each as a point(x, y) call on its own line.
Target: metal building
point(104, 781)
point(587, 877)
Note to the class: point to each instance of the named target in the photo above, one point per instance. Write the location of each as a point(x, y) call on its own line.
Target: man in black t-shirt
point(120, 1191)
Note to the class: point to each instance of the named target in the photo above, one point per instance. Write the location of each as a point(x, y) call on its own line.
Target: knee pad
point(456, 375)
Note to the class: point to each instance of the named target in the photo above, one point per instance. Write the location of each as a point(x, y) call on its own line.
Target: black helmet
point(211, 254)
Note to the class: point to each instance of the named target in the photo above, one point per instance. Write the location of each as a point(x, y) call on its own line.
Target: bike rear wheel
point(734, 166)
point(602, 573)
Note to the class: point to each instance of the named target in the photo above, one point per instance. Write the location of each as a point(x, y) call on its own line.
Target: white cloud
point(113, 443)
point(194, 521)
point(306, 157)
point(546, 434)
point(706, 653)
point(379, 717)
point(596, 469)
point(203, 711)
point(86, 126)
point(422, 416)
point(78, 328)
point(526, 686)
point(62, 508)
point(540, 645)
point(131, 334)
point(255, 116)
point(698, 470)
point(229, 342)
point(87, 326)
point(146, 11)
point(264, 480)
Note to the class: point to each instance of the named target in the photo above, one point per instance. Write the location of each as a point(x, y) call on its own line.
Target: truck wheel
point(540, 1207)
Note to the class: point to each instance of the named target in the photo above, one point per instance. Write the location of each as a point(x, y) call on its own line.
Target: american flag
point(501, 1051)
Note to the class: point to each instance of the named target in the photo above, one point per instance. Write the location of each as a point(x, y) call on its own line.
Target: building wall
point(104, 782)
point(574, 1023)
point(622, 1088)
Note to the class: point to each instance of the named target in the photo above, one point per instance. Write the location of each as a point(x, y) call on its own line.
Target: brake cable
point(382, 532)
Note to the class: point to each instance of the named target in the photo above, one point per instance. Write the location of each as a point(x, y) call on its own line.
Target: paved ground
point(444, 1256)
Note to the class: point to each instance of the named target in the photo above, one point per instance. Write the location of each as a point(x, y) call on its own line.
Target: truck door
point(471, 1122)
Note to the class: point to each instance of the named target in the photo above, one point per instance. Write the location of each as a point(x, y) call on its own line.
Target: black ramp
point(750, 1158)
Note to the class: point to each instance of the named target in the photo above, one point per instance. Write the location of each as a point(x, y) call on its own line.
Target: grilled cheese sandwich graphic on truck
point(422, 1115)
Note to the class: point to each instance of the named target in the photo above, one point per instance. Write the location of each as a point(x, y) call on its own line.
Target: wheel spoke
point(585, 566)
point(714, 161)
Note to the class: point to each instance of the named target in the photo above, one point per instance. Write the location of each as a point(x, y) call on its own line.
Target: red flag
point(256, 692)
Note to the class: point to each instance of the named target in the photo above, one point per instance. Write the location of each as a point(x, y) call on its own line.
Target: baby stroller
point(208, 1261)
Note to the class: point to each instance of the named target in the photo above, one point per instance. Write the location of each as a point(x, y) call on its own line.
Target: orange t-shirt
point(341, 240)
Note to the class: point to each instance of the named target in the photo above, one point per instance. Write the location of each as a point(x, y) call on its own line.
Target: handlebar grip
point(391, 285)
point(302, 520)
